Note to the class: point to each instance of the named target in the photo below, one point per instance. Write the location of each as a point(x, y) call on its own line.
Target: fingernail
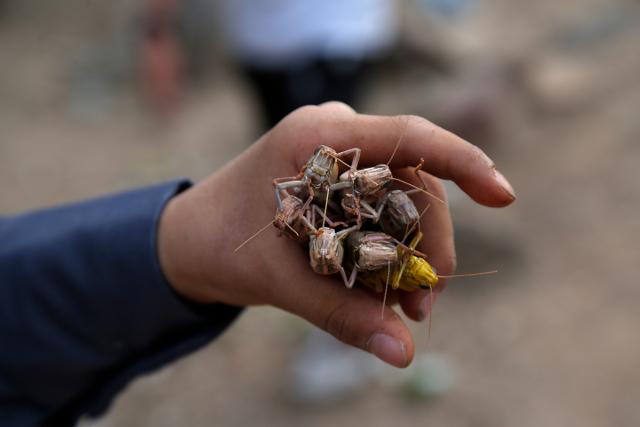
point(388, 349)
point(502, 181)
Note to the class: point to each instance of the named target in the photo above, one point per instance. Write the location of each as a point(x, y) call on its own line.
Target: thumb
point(351, 315)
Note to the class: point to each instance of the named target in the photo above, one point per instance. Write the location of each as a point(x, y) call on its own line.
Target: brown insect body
point(399, 214)
point(368, 181)
point(367, 185)
point(326, 251)
point(319, 176)
point(372, 250)
point(350, 204)
point(289, 220)
point(322, 168)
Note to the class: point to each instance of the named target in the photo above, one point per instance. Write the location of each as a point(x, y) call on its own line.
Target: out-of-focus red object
point(161, 59)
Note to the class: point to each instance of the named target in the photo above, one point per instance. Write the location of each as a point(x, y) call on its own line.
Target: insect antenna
point(386, 290)
point(417, 223)
point(430, 313)
point(395, 149)
point(482, 273)
point(422, 190)
point(326, 204)
point(413, 251)
point(254, 236)
point(452, 276)
point(340, 160)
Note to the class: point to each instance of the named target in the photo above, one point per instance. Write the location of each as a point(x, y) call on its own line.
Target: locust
point(326, 252)
point(294, 217)
point(376, 251)
point(319, 175)
point(290, 218)
point(394, 209)
point(397, 213)
point(410, 273)
point(297, 219)
point(363, 186)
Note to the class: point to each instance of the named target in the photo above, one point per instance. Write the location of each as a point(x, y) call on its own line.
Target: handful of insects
point(353, 223)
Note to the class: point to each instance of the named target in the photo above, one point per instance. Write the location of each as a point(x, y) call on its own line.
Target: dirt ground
point(551, 340)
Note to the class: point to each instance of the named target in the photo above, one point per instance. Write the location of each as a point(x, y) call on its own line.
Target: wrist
point(176, 252)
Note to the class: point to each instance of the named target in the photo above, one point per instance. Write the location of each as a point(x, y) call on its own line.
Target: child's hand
point(201, 227)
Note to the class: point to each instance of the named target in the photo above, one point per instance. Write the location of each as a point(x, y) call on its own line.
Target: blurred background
point(97, 97)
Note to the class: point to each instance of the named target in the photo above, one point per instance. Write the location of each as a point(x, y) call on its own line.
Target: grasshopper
point(319, 175)
point(376, 252)
point(410, 273)
point(326, 252)
point(363, 186)
point(394, 210)
point(297, 219)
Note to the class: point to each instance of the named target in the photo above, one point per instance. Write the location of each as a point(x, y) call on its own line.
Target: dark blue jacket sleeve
point(84, 306)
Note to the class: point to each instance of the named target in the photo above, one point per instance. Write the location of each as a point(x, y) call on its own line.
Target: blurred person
point(162, 63)
point(96, 293)
point(293, 52)
point(307, 51)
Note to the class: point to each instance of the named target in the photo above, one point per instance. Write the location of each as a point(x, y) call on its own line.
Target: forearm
point(86, 307)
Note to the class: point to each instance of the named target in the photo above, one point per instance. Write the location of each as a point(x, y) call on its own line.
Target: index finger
point(446, 155)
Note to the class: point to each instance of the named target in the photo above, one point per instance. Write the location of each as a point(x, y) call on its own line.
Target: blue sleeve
point(85, 307)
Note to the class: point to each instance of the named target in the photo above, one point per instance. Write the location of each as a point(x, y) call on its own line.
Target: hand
point(201, 227)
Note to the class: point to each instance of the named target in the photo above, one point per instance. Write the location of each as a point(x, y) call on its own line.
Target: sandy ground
point(552, 340)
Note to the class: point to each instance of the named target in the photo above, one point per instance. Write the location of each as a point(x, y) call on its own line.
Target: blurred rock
point(430, 375)
point(559, 83)
point(450, 29)
point(325, 371)
point(585, 63)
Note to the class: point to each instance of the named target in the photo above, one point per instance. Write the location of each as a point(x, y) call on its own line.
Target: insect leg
point(282, 186)
point(356, 157)
point(381, 206)
point(352, 278)
point(399, 272)
point(342, 185)
point(309, 224)
point(344, 233)
point(416, 171)
point(332, 224)
point(370, 211)
point(287, 178)
point(407, 248)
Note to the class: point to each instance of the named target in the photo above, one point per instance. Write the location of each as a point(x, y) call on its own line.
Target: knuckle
point(414, 120)
point(303, 113)
point(337, 107)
